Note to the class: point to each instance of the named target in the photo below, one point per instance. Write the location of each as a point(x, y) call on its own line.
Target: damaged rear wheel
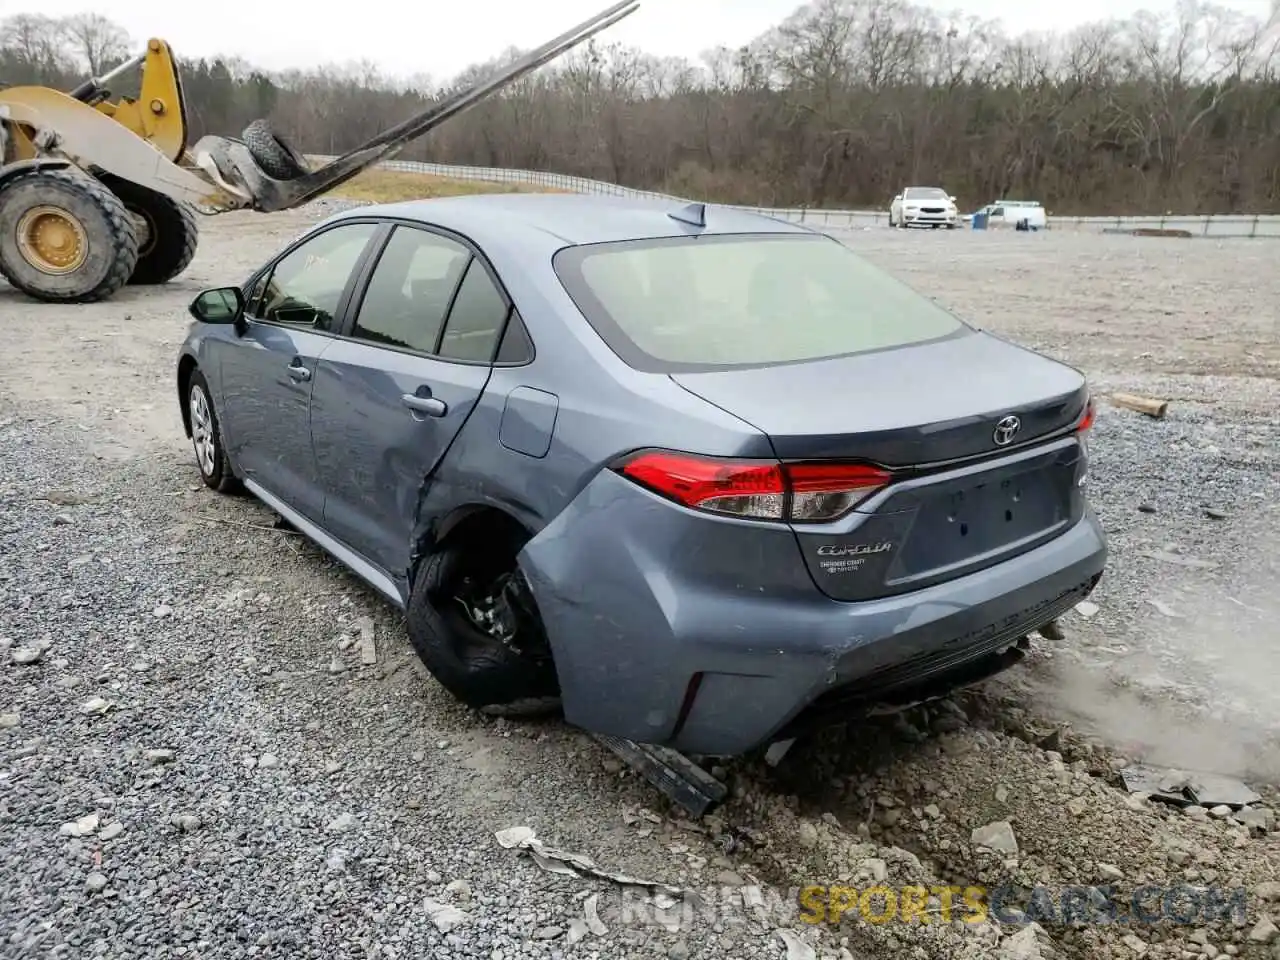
point(474, 623)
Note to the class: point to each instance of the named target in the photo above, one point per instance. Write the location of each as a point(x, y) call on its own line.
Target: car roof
point(561, 219)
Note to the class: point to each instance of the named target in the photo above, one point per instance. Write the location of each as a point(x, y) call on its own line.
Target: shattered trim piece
point(1185, 789)
point(570, 864)
point(797, 949)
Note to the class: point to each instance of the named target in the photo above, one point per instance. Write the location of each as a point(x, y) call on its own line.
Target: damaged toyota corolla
point(694, 476)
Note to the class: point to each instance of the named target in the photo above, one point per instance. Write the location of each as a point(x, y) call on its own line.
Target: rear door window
point(410, 291)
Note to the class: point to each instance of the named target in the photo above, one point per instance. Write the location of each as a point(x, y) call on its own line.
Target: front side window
point(411, 289)
point(306, 285)
point(709, 302)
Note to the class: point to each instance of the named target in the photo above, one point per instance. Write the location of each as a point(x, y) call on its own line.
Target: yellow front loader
point(95, 194)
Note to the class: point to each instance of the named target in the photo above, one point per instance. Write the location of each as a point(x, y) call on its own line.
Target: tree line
point(840, 105)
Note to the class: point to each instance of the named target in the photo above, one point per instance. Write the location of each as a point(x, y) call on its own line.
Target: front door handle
point(298, 372)
point(428, 405)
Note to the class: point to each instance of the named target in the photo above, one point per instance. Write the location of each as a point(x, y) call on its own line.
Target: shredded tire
point(110, 235)
point(171, 228)
point(277, 159)
point(478, 670)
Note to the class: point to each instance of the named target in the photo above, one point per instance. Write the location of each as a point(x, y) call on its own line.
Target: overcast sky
point(439, 38)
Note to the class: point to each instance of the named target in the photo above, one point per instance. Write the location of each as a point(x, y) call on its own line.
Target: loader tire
point(65, 237)
point(166, 228)
point(276, 158)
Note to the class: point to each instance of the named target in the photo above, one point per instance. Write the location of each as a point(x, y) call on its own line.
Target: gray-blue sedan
point(697, 476)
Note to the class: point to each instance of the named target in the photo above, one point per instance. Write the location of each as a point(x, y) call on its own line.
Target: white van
point(1020, 214)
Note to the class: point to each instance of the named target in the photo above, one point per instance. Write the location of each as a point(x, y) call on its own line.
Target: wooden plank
point(1149, 406)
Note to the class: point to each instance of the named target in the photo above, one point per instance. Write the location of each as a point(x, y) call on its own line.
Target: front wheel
point(206, 437)
point(474, 623)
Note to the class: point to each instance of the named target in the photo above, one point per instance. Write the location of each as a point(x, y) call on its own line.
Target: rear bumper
point(716, 647)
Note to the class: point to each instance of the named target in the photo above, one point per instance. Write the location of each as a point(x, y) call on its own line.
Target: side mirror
point(898, 197)
point(952, 199)
point(219, 305)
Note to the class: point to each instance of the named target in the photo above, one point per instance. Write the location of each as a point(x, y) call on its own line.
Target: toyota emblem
point(1006, 430)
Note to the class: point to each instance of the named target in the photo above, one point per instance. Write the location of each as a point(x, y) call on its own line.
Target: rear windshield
point(697, 303)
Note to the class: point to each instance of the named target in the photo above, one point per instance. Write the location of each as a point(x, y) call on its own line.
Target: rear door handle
point(298, 372)
point(428, 405)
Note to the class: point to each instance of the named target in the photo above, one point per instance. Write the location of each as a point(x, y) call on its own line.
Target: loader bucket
point(270, 194)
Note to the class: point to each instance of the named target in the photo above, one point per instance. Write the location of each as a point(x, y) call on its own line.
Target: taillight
point(742, 488)
point(1085, 423)
point(824, 491)
point(1083, 426)
point(756, 489)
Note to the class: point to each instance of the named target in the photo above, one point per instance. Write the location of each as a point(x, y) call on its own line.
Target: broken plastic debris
point(1183, 788)
point(569, 864)
point(777, 750)
point(513, 837)
point(368, 645)
point(797, 949)
point(444, 916)
point(1164, 556)
point(592, 916)
point(1164, 608)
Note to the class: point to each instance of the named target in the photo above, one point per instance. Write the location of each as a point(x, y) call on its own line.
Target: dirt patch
point(393, 186)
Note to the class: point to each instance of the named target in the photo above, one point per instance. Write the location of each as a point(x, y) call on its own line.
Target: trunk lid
point(964, 501)
point(926, 403)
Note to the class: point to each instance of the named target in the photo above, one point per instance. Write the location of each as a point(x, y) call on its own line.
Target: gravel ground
point(195, 761)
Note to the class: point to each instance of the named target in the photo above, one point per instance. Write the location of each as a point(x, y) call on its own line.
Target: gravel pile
point(196, 759)
point(197, 763)
point(195, 754)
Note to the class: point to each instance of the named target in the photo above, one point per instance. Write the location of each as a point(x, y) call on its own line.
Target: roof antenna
point(695, 214)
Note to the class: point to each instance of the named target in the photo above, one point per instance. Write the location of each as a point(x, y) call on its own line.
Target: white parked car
point(923, 207)
point(1019, 214)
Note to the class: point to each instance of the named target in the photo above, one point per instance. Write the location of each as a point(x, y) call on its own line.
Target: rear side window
point(711, 302)
point(410, 291)
point(517, 346)
point(476, 318)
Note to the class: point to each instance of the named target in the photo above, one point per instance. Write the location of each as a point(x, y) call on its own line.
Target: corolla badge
point(852, 550)
point(1006, 430)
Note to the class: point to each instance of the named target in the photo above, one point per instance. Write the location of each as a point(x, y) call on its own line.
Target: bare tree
point(96, 41)
point(842, 103)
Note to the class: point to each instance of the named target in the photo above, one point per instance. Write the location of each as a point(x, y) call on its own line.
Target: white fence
point(1202, 226)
